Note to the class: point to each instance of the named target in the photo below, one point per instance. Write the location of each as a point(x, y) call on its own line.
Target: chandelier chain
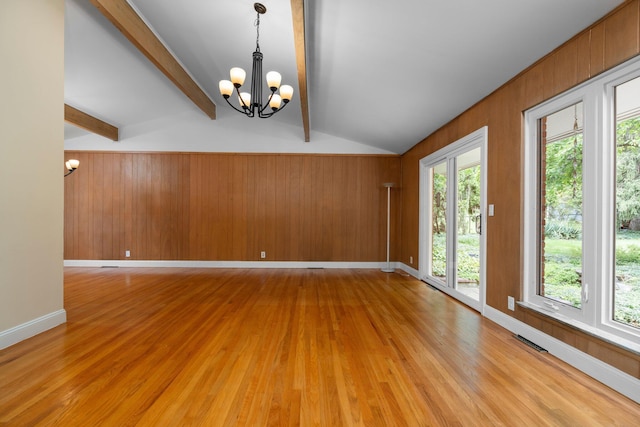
point(257, 25)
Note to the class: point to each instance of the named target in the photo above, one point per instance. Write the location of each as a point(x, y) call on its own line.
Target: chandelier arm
point(236, 108)
point(266, 116)
point(70, 172)
point(246, 108)
point(267, 103)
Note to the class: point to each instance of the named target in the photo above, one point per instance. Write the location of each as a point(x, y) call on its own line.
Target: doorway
point(452, 219)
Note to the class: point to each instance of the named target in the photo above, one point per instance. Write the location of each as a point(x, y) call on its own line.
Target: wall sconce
point(71, 165)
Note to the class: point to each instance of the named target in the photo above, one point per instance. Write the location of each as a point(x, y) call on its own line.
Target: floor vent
point(109, 266)
point(431, 286)
point(531, 344)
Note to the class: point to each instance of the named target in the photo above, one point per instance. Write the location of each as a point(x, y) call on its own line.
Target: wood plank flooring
point(232, 347)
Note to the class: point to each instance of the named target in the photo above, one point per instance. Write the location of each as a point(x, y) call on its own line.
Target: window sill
point(607, 337)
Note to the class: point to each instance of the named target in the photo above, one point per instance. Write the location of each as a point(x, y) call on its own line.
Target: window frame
point(596, 313)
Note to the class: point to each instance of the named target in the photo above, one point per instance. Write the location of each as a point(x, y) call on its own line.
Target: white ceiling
point(382, 75)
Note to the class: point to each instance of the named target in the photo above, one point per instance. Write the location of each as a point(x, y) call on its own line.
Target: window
point(560, 201)
point(626, 293)
point(582, 206)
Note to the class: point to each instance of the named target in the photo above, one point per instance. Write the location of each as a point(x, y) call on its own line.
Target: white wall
point(192, 131)
point(31, 174)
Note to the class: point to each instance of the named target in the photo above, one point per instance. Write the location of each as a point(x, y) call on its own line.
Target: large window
point(582, 206)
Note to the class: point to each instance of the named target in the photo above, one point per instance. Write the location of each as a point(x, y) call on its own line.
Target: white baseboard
point(31, 328)
point(226, 264)
point(606, 374)
point(412, 271)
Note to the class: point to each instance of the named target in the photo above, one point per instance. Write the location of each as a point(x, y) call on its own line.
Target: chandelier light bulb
point(275, 102)
point(245, 99)
point(273, 80)
point(286, 92)
point(226, 88)
point(237, 76)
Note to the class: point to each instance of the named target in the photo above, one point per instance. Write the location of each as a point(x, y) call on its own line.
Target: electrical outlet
point(263, 254)
point(127, 253)
point(511, 303)
point(411, 260)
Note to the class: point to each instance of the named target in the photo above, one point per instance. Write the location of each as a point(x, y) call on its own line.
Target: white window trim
point(598, 109)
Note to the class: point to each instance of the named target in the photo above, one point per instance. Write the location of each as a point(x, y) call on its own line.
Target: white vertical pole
point(388, 269)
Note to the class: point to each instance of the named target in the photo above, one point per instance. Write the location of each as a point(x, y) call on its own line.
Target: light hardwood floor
point(210, 347)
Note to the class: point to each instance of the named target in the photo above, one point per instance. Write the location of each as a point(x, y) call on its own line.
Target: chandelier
point(251, 102)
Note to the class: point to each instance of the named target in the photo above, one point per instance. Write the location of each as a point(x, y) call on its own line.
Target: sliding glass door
point(469, 223)
point(451, 223)
point(438, 241)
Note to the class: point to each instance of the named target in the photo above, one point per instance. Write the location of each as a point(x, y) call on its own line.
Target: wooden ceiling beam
point(297, 12)
point(125, 18)
point(88, 122)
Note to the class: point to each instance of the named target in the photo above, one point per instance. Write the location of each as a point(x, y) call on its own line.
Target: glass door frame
point(448, 154)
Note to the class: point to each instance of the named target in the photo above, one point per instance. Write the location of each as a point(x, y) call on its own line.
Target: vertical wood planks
point(207, 206)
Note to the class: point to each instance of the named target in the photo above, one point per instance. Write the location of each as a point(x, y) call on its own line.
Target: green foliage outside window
point(563, 228)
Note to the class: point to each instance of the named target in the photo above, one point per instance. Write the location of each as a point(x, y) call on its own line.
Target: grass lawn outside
point(563, 271)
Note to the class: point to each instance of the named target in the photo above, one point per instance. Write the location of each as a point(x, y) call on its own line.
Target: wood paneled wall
point(213, 206)
point(604, 45)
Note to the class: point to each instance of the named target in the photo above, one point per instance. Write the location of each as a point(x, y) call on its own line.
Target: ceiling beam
point(297, 12)
point(85, 121)
point(125, 18)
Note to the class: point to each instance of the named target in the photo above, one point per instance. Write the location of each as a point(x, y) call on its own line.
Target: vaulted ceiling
point(380, 75)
